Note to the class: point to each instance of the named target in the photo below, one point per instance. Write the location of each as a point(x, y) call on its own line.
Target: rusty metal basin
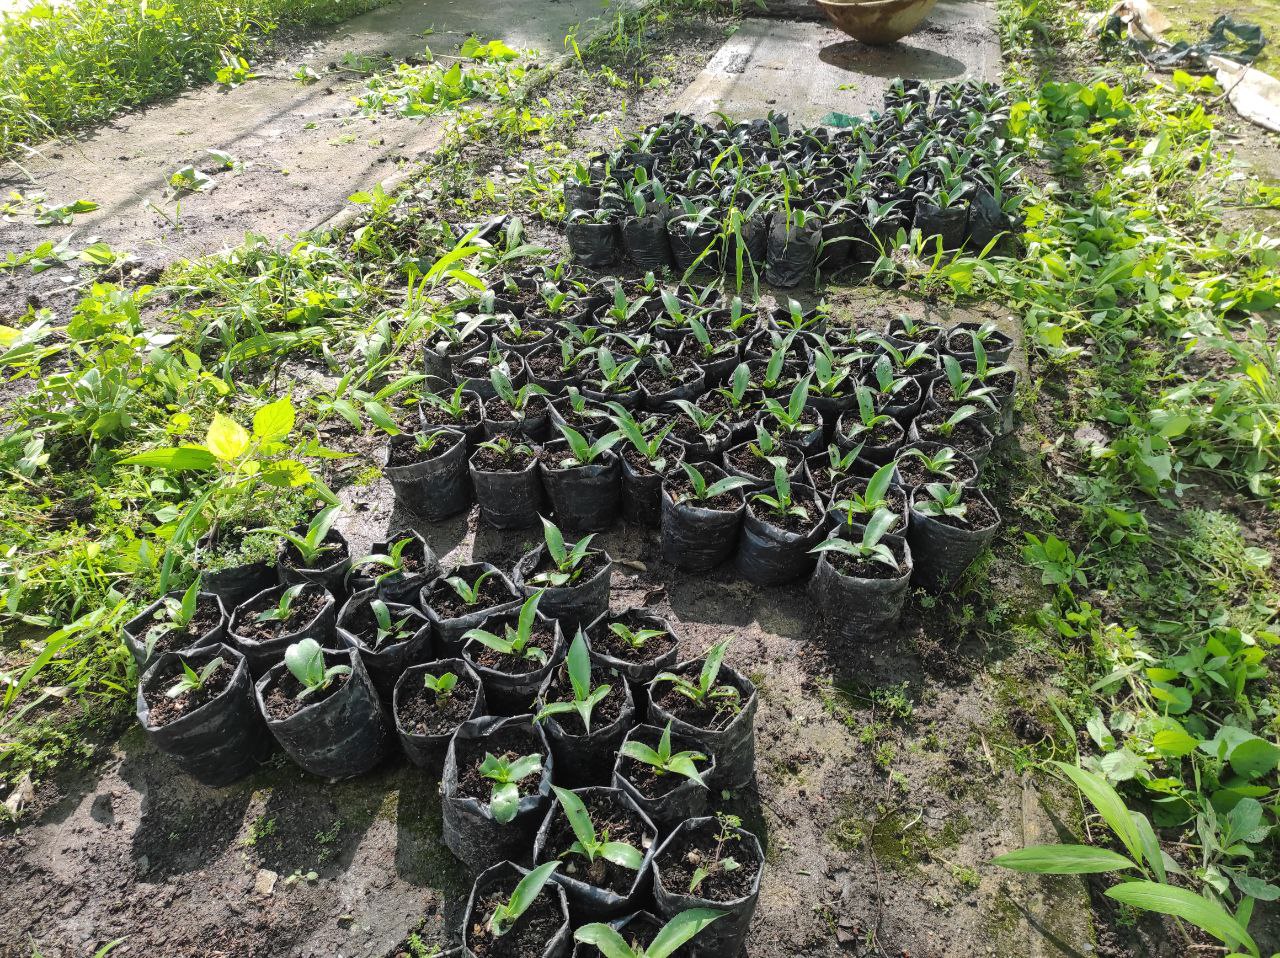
point(877, 21)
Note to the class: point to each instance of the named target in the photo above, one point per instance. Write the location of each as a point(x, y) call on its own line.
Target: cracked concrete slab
point(808, 69)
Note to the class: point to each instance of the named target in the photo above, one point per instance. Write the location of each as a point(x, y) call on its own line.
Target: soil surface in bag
point(165, 710)
point(543, 636)
point(699, 849)
point(604, 641)
point(422, 713)
point(208, 617)
point(307, 604)
point(512, 741)
point(610, 817)
point(447, 604)
point(528, 937)
point(282, 700)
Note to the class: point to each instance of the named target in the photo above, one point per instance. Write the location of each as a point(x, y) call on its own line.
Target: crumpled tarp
point(1228, 50)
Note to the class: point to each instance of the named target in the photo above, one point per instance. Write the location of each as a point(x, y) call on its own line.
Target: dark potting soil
point(687, 431)
point(922, 334)
point(306, 606)
point(543, 637)
point(613, 822)
point(165, 710)
point(913, 472)
point(961, 341)
point(527, 938)
point(607, 643)
point(509, 742)
point(797, 525)
point(884, 433)
point(712, 718)
point(679, 861)
point(435, 416)
point(968, 436)
point(604, 714)
point(682, 490)
point(868, 568)
point(744, 460)
point(490, 460)
point(447, 604)
point(409, 453)
point(422, 712)
point(978, 515)
point(896, 497)
point(592, 563)
point(281, 700)
point(545, 365)
point(499, 410)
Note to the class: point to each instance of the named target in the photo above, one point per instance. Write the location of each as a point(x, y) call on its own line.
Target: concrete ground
point(809, 69)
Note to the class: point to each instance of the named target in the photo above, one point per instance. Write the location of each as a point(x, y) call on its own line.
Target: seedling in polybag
point(941, 463)
point(873, 498)
point(582, 452)
point(585, 697)
point(948, 425)
point(516, 399)
point(614, 376)
point(682, 928)
point(506, 775)
point(454, 405)
point(311, 545)
point(705, 422)
point(305, 660)
point(469, 592)
point(781, 503)
point(943, 501)
point(193, 681)
point(869, 547)
point(705, 692)
point(174, 615)
point(634, 638)
point(392, 560)
point(280, 611)
point(516, 642)
point(649, 446)
point(569, 561)
point(505, 915)
point(441, 686)
point(720, 862)
point(663, 761)
point(702, 492)
point(386, 630)
point(589, 844)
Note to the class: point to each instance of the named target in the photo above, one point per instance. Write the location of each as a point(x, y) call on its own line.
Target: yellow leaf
point(227, 439)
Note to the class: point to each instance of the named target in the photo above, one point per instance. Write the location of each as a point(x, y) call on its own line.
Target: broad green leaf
point(1063, 860)
point(1168, 900)
point(274, 421)
point(176, 459)
point(681, 929)
point(1174, 742)
point(1109, 805)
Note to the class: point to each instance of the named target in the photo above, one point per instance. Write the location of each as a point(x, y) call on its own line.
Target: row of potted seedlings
point(783, 441)
point(682, 194)
point(591, 762)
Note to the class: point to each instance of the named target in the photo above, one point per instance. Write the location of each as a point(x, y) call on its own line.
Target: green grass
point(68, 66)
